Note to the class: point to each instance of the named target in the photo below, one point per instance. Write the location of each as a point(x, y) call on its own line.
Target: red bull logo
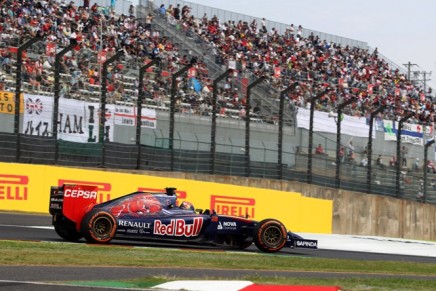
point(103, 189)
point(178, 227)
point(13, 187)
point(235, 206)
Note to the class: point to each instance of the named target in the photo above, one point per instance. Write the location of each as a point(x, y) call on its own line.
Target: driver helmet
point(186, 206)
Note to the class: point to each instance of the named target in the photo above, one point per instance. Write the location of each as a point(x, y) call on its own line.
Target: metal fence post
point(139, 109)
point(280, 139)
point(173, 109)
point(247, 125)
point(369, 148)
point(102, 116)
point(427, 145)
point(213, 129)
point(312, 110)
point(338, 140)
point(56, 90)
point(398, 166)
point(19, 63)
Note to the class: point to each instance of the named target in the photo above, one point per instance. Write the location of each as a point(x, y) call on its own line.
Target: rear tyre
point(66, 229)
point(99, 227)
point(270, 235)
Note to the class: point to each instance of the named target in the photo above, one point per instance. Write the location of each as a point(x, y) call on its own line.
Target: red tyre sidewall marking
point(261, 230)
point(91, 221)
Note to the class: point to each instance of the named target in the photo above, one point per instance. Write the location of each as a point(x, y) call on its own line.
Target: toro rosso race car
point(159, 217)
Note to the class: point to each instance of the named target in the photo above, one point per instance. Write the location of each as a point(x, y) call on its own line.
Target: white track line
point(68, 285)
point(24, 226)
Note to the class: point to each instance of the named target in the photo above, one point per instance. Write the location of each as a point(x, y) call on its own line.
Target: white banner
point(38, 112)
point(126, 115)
point(78, 120)
point(411, 133)
point(350, 125)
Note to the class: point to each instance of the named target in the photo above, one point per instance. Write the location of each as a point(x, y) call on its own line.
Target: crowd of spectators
point(348, 72)
point(99, 34)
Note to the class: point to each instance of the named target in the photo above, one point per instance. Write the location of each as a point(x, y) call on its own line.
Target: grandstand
point(202, 126)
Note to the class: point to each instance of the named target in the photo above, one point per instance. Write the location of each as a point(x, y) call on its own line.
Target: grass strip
point(78, 254)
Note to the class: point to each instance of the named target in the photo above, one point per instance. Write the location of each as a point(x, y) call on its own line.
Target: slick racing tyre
point(270, 235)
point(99, 226)
point(66, 229)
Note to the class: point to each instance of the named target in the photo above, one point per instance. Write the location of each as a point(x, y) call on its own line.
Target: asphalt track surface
point(17, 226)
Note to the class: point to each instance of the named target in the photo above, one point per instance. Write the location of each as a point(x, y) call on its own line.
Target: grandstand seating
point(349, 72)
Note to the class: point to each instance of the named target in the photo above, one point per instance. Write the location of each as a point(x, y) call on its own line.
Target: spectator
point(131, 11)
point(148, 20)
point(242, 114)
point(177, 12)
point(162, 10)
point(393, 161)
point(319, 149)
point(430, 167)
point(416, 166)
point(379, 162)
point(342, 154)
point(86, 4)
point(364, 161)
point(170, 11)
point(404, 156)
point(420, 196)
point(350, 148)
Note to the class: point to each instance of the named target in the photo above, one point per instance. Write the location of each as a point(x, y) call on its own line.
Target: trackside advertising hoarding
point(26, 188)
point(7, 102)
point(78, 121)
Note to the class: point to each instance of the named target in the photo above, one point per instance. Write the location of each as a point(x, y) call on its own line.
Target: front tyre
point(99, 227)
point(270, 235)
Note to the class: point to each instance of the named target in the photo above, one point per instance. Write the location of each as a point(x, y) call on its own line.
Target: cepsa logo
point(236, 206)
point(77, 193)
point(13, 187)
point(102, 188)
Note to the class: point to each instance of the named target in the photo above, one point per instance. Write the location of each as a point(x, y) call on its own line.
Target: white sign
point(410, 133)
point(38, 112)
point(350, 125)
point(78, 121)
point(126, 115)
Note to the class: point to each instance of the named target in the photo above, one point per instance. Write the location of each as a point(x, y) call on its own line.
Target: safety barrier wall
point(322, 209)
point(26, 188)
point(353, 213)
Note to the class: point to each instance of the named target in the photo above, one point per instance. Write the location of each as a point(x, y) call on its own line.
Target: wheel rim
point(273, 236)
point(102, 226)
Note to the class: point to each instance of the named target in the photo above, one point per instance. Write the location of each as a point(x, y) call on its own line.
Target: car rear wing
point(72, 201)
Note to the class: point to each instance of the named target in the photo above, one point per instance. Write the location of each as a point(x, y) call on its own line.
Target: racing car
point(160, 217)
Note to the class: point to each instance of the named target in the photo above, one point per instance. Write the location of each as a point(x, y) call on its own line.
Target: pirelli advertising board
point(26, 188)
